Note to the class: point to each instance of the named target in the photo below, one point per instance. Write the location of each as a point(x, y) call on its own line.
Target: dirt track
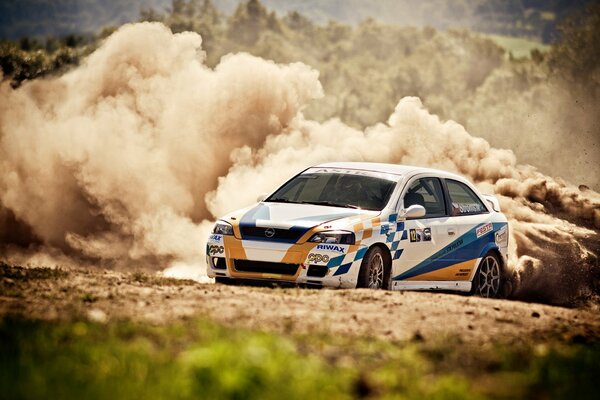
point(103, 295)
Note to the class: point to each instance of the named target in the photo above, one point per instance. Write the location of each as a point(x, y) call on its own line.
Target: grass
point(197, 358)
point(191, 359)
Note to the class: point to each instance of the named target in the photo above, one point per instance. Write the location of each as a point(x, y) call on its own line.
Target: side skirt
point(459, 286)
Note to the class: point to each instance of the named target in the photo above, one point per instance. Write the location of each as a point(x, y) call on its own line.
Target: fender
point(488, 247)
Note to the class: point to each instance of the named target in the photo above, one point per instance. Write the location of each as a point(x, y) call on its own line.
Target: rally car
point(367, 225)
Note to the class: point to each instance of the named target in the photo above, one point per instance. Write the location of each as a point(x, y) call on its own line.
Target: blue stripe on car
point(465, 247)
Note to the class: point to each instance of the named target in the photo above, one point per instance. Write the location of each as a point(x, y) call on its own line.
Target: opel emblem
point(269, 232)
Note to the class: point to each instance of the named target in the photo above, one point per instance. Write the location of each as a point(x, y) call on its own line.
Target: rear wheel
point(488, 281)
point(374, 270)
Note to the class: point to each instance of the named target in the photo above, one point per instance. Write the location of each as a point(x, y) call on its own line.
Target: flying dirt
point(126, 160)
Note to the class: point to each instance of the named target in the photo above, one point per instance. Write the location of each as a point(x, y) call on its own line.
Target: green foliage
point(29, 60)
point(198, 359)
point(184, 360)
point(564, 373)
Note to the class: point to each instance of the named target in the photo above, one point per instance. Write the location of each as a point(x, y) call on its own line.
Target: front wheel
point(374, 271)
point(488, 281)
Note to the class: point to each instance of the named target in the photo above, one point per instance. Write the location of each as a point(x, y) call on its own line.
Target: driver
point(347, 190)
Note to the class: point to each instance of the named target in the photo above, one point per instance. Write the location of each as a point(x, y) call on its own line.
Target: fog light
point(218, 262)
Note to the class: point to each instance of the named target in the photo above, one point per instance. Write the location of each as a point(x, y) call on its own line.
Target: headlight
point(223, 228)
point(339, 237)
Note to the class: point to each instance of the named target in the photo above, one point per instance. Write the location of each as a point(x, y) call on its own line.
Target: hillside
point(490, 84)
point(530, 19)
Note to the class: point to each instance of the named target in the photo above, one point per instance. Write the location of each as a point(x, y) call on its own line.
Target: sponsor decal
point(340, 171)
point(382, 175)
point(331, 247)
point(427, 235)
point(502, 236)
point(482, 230)
point(314, 257)
point(466, 208)
point(215, 238)
point(450, 248)
point(463, 272)
point(214, 249)
point(416, 235)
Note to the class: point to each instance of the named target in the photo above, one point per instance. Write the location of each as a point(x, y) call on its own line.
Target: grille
point(281, 235)
point(265, 267)
point(317, 271)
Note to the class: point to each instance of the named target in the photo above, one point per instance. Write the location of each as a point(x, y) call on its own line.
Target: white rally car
point(367, 225)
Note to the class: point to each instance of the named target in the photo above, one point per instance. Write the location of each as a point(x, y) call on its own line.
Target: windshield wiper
point(329, 203)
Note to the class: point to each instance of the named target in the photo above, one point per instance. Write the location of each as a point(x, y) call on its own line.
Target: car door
point(424, 237)
point(471, 218)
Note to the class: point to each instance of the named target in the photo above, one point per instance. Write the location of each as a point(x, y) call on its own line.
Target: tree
point(248, 21)
point(576, 57)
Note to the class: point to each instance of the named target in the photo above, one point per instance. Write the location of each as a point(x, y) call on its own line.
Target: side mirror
point(414, 211)
point(261, 197)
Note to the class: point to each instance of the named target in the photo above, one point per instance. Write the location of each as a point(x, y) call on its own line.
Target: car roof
point(396, 169)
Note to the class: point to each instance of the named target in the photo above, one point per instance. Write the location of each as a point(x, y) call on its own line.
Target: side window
point(428, 193)
point(464, 200)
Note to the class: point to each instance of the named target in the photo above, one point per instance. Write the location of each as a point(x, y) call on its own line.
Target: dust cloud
point(112, 160)
point(126, 160)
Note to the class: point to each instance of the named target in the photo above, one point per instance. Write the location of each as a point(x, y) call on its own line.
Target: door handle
point(451, 231)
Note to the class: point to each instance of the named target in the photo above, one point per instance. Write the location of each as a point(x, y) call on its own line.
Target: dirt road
point(103, 295)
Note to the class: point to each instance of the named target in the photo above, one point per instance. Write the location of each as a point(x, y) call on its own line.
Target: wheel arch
point(386, 251)
point(496, 251)
point(492, 248)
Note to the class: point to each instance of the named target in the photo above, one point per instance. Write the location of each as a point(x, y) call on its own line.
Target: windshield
point(336, 189)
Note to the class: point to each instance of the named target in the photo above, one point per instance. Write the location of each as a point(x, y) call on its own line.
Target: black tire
point(225, 281)
point(489, 280)
point(374, 270)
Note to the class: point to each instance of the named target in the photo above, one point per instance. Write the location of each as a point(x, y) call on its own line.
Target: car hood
point(297, 217)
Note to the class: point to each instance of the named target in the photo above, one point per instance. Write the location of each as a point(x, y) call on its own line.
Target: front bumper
point(326, 265)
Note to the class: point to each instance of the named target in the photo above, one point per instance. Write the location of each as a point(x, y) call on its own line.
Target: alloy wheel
point(489, 277)
point(376, 272)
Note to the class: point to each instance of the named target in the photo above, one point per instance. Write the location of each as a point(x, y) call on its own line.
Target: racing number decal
point(314, 257)
point(418, 235)
point(414, 235)
point(214, 249)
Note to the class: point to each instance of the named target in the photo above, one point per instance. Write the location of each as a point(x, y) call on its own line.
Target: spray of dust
point(125, 161)
point(112, 160)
